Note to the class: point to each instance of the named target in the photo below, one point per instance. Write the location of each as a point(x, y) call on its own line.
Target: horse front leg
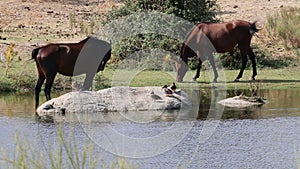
point(88, 82)
point(213, 65)
point(198, 67)
point(197, 71)
point(252, 59)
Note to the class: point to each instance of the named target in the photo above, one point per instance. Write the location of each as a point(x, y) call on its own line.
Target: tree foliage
point(193, 11)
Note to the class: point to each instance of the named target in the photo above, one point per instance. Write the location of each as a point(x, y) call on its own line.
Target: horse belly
point(224, 45)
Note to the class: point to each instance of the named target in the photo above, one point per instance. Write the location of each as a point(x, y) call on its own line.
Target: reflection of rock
point(116, 99)
point(242, 101)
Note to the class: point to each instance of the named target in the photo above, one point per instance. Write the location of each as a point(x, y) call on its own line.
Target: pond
point(254, 137)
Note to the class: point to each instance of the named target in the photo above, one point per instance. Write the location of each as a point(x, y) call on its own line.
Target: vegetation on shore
point(284, 26)
point(157, 68)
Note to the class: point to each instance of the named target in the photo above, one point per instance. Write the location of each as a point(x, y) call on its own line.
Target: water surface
point(254, 137)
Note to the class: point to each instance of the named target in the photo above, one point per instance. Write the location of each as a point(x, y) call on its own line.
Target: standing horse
point(222, 37)
point(88, 56)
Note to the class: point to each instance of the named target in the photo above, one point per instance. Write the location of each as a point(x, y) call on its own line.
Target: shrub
point(193, 11)
point(285, 25)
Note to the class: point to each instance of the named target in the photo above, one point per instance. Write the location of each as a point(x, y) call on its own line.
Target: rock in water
point(115, 99)
point(242, 101)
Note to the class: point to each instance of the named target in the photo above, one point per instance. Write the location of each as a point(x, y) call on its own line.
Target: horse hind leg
point(49, 82)
point(252, 58)
point(38, 86)
point(37, 89)
point(244, 63)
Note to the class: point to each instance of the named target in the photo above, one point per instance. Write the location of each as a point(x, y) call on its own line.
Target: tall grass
point(285, 26)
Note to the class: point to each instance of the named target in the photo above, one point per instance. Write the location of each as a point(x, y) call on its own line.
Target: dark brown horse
point(88, 56)
point(207, 38)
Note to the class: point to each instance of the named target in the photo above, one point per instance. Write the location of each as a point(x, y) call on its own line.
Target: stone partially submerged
point(242, 101)
point(115, 99)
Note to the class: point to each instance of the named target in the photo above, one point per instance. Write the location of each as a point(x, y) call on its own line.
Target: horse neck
point(183, 55)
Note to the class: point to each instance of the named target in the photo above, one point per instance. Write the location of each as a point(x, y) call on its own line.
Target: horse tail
point(65, 46)
point(34, 53)
point(253, 28)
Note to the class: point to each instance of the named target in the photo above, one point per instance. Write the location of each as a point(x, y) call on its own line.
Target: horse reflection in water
point(88, 56)
point(207, 38)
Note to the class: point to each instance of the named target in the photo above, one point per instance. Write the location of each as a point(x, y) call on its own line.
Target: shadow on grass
point(267, 81)
point(245, 81)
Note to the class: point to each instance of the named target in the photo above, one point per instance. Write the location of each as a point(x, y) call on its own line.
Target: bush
point(285, 25)
point(193, 11)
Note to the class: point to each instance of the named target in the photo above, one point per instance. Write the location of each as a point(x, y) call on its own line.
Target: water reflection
point(280, 103)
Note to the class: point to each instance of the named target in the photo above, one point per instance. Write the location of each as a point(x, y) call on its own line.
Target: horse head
point(182, 63)
point(181, 69)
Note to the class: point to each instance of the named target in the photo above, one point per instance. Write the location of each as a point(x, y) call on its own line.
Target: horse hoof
point(236, 80)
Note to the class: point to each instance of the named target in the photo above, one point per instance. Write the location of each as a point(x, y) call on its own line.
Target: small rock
point(235, 6)
point(50, 12)
point(27, 8)
point(21, 26)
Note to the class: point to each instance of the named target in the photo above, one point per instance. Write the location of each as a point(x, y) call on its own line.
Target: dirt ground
point(253, 10)
point(34, 22)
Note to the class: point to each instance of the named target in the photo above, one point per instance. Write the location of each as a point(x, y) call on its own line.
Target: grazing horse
point(207, 38)
point(88, 56)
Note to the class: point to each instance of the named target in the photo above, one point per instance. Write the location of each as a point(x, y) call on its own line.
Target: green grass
point(22, 77)
point(268, 78)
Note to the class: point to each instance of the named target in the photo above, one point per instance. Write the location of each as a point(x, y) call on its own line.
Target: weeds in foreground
point(8, 57)
point(65, 153)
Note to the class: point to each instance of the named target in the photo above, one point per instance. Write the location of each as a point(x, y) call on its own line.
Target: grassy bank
point(267, 78)
point(22, 77)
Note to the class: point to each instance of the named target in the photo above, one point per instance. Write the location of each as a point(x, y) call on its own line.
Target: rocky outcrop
point(115, 99)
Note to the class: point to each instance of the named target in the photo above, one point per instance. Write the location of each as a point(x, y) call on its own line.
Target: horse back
point(225, 36)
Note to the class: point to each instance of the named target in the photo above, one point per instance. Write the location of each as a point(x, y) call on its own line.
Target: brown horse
point(88, 56)
point(207, 38)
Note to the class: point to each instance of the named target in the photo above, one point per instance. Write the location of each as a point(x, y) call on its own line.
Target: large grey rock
point(115, 99)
